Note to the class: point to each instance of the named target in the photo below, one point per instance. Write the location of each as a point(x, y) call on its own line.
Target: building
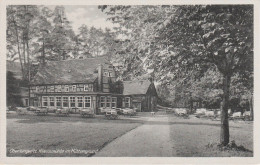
point(15, 69)
point(86, 83)
point(140, 94)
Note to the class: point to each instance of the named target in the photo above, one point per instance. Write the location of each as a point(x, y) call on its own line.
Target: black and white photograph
point(137, 81)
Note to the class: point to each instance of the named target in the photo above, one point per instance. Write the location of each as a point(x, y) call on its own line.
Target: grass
point(29, 135)
point(200, 137)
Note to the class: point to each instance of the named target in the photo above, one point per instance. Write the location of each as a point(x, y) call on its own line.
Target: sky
point(88, 15)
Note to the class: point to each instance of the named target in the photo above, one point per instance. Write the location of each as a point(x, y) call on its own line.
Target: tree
point(83, 38)
point(20, 33)
point(12, 90)
point(96, 42)
point(62, 35)
point(16, 34)
point(42, 46)
point(91, 41)
point(178, 41)
point(213, 36)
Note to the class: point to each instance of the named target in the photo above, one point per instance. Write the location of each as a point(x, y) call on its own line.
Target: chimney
point(100, 77)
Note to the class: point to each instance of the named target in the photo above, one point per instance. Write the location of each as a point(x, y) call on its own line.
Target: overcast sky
point(88, 15)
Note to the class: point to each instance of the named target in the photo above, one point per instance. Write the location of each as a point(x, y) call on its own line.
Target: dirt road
point(171, 136)
point(151, 139)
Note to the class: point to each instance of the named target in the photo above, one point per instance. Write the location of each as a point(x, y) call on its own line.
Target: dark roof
point(70, 71)
point(15, 68)
point(136, 87)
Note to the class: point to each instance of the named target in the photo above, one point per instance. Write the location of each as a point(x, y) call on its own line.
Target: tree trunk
point(43, 50)
point(28, 58)
point(251, 106)
point(29, 72)
point(224, 133)
point(24, 54)
point(18, 45)
point(191, 105)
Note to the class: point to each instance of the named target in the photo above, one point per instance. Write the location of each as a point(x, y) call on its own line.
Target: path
point(151, 139)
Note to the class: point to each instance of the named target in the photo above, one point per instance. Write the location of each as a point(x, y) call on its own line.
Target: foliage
point(36, 34)
point(182, 43)
point(96, 42)
point(63, 37)
point(188, 44)
point(13, 91)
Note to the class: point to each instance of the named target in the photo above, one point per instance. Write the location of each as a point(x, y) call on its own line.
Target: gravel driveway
point(149, 140)
point(170, 136)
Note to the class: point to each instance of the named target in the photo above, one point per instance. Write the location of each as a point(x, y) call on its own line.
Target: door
point(138, 106)
point(26, 102)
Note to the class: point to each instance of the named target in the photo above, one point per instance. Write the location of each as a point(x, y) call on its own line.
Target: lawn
point(30, 135)
point(199, 137)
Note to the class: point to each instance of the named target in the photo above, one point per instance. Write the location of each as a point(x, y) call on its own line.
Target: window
point(103, 101)
point(51, 101)
point(113, 103)
point(80, 101)
point(51, 88)
point(87, 101)
point(66, 88)
point(37, 89)
point(127, 102)
point(65, 102)
point(72, 101)
point(74, 88)
point(86, 87)
point(108, 102)
point(58, 101)
point(109, 74)
point(58, 88)
point(44, 101)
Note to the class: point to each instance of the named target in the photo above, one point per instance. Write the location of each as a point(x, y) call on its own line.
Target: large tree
point(180, 41)
point(96, 42)
point(42, 45)
point(20, 32)
point(62, 35)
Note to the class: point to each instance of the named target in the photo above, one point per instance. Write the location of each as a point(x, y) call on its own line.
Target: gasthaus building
point(89, 83)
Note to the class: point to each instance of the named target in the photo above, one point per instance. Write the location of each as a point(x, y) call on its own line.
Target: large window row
point(66, 101)
point(108, 102)
point(63, 88)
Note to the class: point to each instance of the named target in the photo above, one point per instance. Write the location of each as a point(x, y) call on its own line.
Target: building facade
point(140, 94)
point(82, 83)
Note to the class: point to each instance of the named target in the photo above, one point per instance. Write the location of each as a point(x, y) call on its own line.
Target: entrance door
point(26, 102)
point(138, 106)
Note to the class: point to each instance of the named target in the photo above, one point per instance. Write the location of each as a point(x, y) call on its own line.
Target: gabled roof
point(15, 68)
point(136, 87)
point(70, 71)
